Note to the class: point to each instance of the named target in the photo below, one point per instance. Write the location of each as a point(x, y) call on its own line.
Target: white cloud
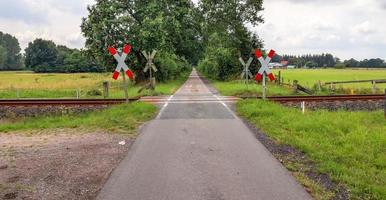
point(345, 28)
point(55, 20)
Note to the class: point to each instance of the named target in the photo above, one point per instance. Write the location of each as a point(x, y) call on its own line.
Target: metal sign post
point(264, 70)
point(150, 67)
point(120, 58)
point(246, 72)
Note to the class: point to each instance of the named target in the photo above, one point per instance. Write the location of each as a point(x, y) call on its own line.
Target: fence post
point(77, 93)
point(295, 86)
point(374, 88)
point(106, 89)
point(319, 86)
point(279, 78)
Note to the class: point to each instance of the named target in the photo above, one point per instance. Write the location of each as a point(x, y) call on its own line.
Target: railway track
point(62, 102)
point(283, 99)
point(159, 100)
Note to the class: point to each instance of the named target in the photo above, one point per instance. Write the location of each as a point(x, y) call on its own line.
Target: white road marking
point(226, 106)
point(164, 107)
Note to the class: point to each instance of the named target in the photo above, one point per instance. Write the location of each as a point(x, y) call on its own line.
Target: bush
point(170, 66)
point(94, 92)
point(220, 64)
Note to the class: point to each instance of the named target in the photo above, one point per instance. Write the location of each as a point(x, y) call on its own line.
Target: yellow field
point(32, 85)
point(309, 77)
point(29, 80)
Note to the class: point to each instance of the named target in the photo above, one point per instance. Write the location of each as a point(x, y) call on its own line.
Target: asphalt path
point(199, 150)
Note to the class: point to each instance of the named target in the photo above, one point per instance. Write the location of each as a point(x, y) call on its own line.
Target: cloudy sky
point(346, 28)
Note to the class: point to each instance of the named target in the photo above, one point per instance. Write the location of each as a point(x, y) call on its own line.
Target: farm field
point(349, 146)
point(308, 77)
point(86, 85)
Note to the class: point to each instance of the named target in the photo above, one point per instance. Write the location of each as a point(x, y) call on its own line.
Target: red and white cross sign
point(121, 61)
point(264, 65)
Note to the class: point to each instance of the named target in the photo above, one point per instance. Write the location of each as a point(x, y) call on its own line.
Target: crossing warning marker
point(121, 61)
point(265, 65)
point(246, 72)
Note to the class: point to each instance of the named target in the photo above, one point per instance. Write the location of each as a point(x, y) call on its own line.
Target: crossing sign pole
point(150, 66)
point(120, 58)
point(246, 72)
point(264, 70)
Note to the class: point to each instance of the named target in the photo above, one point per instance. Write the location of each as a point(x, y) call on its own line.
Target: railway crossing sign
point(246, 72)
point(264, 65)
point(121, 61)
point(149, 65)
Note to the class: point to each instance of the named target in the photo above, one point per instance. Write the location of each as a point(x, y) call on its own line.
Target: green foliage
point(366, 63)
point(310, 61)
point(45, 56)
point(94, 93)
point(119, 119)
point(40, 55)
point(166, 26)
point(3, 56)
point(349, 146)
point(10, 56)
point(226, 37)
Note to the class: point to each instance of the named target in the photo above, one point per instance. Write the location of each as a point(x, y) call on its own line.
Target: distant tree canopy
point(366, 63)
point(10, 56)
point(310, 61)
point(45, 56)
point(328, 60)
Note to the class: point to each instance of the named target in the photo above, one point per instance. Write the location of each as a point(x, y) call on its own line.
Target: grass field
point(309, 77)
point(118, 119)
point(32, 85)
point(349, 146)
point(239, 88)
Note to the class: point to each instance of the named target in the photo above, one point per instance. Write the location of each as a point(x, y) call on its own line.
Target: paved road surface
point(199, 151)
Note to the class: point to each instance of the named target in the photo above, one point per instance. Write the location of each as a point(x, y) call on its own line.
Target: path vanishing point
point(199, 151)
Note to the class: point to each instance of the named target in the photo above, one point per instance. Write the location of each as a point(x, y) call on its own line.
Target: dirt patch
point(59, 165)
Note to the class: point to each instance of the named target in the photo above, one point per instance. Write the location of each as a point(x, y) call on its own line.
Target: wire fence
point(105, 90)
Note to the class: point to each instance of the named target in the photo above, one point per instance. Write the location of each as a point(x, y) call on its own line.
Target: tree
point(225, 22)
point(3, 57)
point(12, 56)
point(165, 25)
point(41, 55)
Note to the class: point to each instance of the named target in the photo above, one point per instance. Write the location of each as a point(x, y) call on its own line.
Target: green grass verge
point(349, 146)
point(309, 77)
point(239, 88)
point(123, 118)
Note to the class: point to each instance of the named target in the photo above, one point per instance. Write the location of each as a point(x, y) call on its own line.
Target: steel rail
point(327, 98)
point(282, 99)
point(64, 102)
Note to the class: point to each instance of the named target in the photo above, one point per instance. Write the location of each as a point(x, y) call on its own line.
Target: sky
point(345, 28)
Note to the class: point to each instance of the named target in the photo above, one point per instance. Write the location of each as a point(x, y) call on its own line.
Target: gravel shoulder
point(58, 164)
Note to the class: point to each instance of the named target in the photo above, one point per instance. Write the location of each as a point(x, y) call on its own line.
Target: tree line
point(310, 61)
point(45, 56)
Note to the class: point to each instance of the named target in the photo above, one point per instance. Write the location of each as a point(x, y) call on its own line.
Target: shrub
point(94, 92)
